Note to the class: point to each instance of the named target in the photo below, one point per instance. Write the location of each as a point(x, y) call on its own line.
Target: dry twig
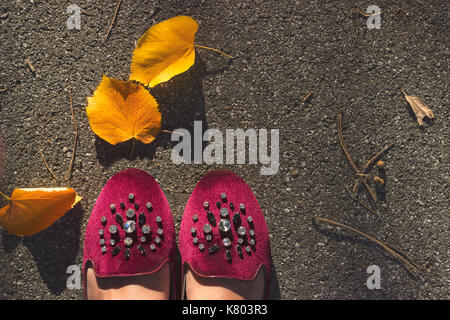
point(48, 168)
point(306, 98)
point(407, 262)
point(113, 20)
point(30, 65)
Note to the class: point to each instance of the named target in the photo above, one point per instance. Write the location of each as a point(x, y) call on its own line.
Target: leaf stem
point(133, 144)
point(5, 196)
point(199, 46)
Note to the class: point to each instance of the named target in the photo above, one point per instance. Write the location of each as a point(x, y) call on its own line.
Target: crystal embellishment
point(103, 220)
point(206, 205)
point(113, 229)
point(131, 197)
point(128, 241)
point(145, 229)
point(103, 249)
point(131, 214)
point(207, 229)
point(193, 232)
point(195, 218)
point(226, 242)
point(201, 247)
point(224, 213)
point(148, 205)
point(224, 225)
point(130, 226)
point(241, 231)
point(112, 206)
point(223, 196)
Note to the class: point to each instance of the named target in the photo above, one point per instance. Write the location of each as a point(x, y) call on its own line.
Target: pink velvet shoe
point(131, 229)
point(223, 231)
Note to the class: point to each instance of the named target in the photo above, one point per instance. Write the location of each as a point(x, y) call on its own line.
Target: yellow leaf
point(419, 107)
point(31, 210)
point(121, 110)
point(165, 50)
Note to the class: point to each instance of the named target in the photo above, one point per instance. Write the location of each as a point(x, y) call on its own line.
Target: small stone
point(146, 229)
point(160, 232)
point(207, 229)
point(127, 254)
point(206, 205)
point(250, 220)
point(115, 251)
point(201, 247)
point(152, 247)
point(102, 242)
point(195, 241)
point(128, 241)
point(148, 205)
point(241, 231)
point(208, 238)
point(100, 232)
point(195, 218)
point(213, 249)
point(103, 249)
point(130, 226)
point(112, 206)
point(158, 220)
point(224, 213)
point(224, 225)
point(103, 220)
point(237, 218)
point(226, 242)
point(251, 233)
point(158, 241)
point(131, 214)
point(142, 219)
point(131, 197)
point(119, 219)
point(193, 232)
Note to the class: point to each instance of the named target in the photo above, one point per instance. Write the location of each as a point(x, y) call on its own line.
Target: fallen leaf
point(122, 110)
point(31, 210)
point(419, 107)
point(165, 50)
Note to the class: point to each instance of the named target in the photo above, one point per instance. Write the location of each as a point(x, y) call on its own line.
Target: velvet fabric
point(117, 190)
point(209, 189)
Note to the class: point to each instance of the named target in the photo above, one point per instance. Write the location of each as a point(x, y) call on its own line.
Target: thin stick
point(30, 65)
point(370, 162)
point(350, 160)
point(359, 201)
point(3, 90)
point(199, 46)
point(5, 196)
point(411, 266)
point(307, 96)
point(69, 169)
point(48, 168)
point(113, 20)
point(356, 30)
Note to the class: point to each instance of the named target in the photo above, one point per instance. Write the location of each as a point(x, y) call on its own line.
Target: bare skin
point(157, 287)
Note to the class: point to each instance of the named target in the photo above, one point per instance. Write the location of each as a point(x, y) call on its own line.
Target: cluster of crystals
point(130, 227)
point(246, 239)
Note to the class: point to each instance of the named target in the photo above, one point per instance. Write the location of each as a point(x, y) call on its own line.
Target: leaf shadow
point(181, 102)
point(56, 248)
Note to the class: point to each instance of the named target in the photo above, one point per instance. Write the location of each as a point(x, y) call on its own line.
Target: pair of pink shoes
point(223, 232)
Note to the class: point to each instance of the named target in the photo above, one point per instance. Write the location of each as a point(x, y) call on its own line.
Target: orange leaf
point(165, 50)
point(31, 210)
point(121, 110)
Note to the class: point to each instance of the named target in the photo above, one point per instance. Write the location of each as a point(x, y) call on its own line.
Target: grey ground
point(284, 50)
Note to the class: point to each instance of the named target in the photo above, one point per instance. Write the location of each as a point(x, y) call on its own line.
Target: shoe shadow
point(274, 286)
point(56, 248)
point(181, 102)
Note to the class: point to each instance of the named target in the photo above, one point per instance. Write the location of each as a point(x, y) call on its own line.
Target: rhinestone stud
point(208, 238)
point(158, 220)
point(195, 241)
point(193, 232)
point(143, 239)
point(241, 231)
point(207, 229)
point(251, 233)
point(112, 206)
point(131, 215)
point(224, 213)
point(113, 229)
point(213, 249)
point(115, 251)
point(130, 226)
point(224, 225)
point(160, 232)
point(148, 206)
point(195, 218)
point(206, 205)
point(242, 208)
point(201, 247)
point(146, 229)
point(103, 220)
point(252, 242)
point(240, 241)
point(158, 241)
point(223, 196)
point(103, 249)
point(131, 197)
point(128, 241)
point(112, 242)
point(226, 242)
point(248, 250)
point(100, 232)
point(250, 220)
point(152, 247)
point(102, 242)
